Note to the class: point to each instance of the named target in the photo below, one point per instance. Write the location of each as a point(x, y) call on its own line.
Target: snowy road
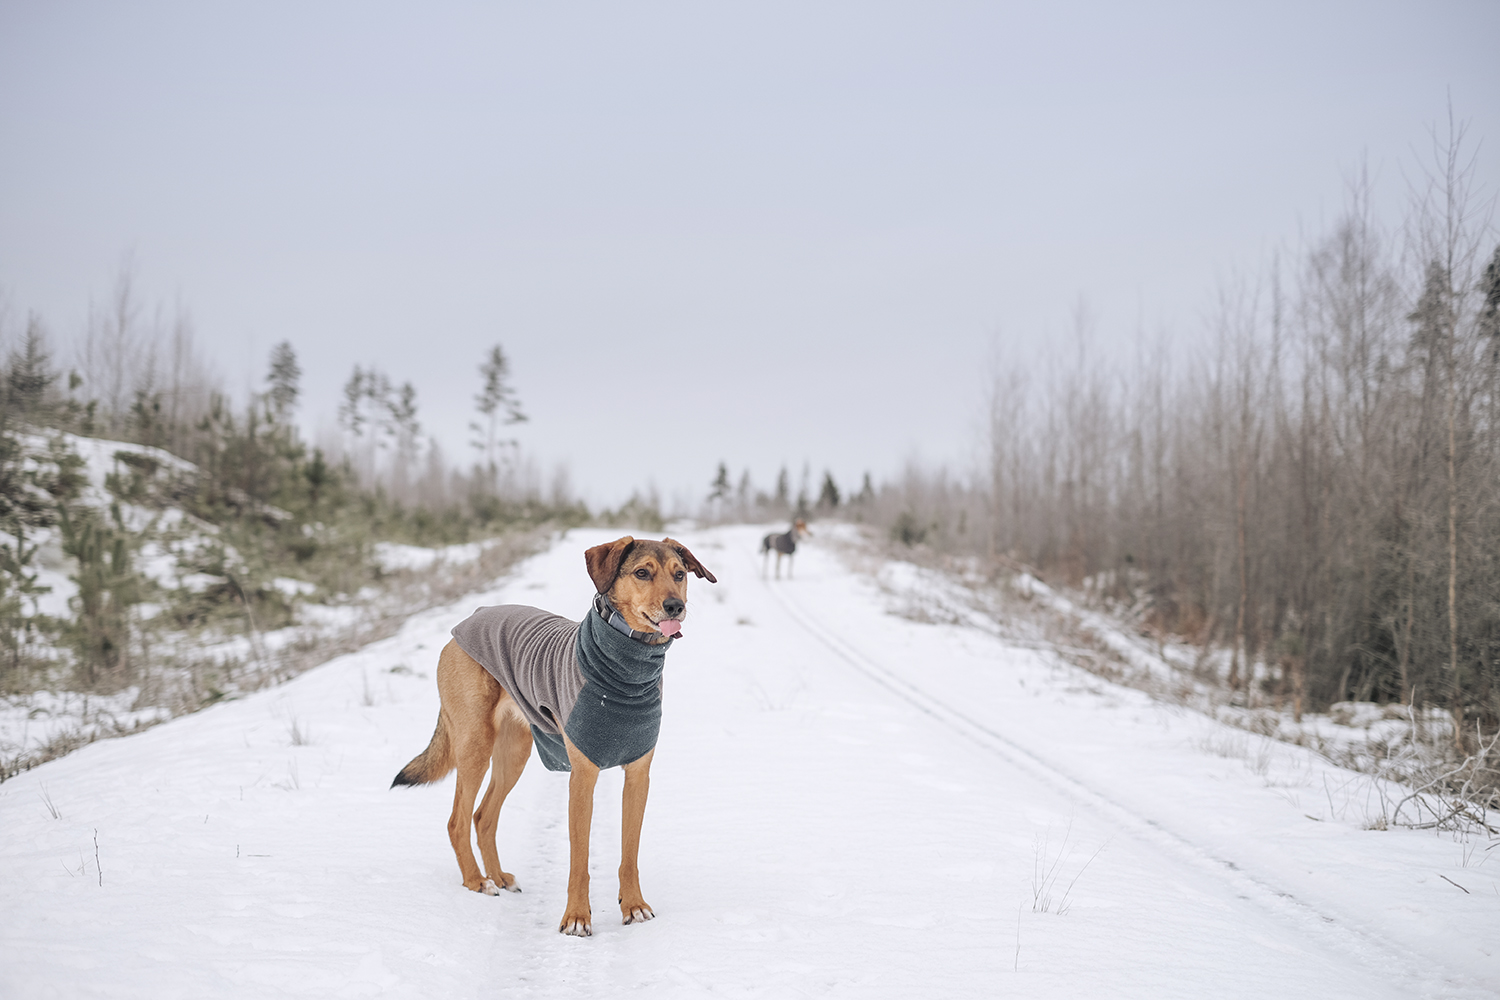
point(844, 802)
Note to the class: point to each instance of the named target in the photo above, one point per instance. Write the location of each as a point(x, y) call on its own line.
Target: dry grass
point(1048, 869)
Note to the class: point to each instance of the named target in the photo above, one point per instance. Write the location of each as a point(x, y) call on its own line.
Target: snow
point(393, 556)
point(160, 559)
point(294, 588)
point(99, 459)
point(844, 802)
point(61, 590)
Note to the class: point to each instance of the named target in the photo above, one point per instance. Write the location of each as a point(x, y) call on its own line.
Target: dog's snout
point(673, 606)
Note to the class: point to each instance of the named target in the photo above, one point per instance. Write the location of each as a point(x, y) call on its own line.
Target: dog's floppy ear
point(689, 560)
point(604, 561)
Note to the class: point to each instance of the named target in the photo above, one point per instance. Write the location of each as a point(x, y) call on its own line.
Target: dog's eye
point(679, 576)
point(643, 574)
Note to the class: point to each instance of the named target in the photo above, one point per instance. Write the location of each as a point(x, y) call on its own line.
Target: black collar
point(617, 621)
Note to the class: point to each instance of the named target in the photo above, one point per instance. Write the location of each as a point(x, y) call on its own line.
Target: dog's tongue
point(670, 627)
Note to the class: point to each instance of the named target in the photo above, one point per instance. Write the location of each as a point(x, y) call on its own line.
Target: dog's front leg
point(578, 918)
point(637, 783)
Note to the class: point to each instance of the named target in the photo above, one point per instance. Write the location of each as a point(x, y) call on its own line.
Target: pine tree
point(107, 586)
point(720, 485)
point(402, 407)
point(318, 476)
point(1489, 310)
point(1433, 316)
point(828, 499)
point(351, 410)
point(1434, 341)
point(497, 403)
point(403, 426)
point(29, 374)
point(283, 378)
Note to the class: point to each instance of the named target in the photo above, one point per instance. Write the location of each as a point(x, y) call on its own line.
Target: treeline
point(257, 502)
point(742, 500)
point(1318, 492)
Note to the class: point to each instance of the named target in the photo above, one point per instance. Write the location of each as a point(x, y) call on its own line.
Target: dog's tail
point(432, 764)
point(765, 543)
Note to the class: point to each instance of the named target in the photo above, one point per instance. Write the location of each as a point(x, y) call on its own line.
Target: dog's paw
point(506, 881)
point(637, 913)
point(483, 885)
point(576, 925)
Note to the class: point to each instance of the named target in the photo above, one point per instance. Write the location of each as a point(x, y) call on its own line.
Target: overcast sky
point(759, 233)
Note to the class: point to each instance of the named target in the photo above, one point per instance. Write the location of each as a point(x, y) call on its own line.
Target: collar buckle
point(616, 620)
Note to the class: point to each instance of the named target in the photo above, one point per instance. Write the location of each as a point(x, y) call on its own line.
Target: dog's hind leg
point(637, 784)
point(511, 752)
point(472, 747)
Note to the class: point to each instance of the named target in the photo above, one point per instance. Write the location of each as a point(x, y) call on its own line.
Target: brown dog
point(595, 683)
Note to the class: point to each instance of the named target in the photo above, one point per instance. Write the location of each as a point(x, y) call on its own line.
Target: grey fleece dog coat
point(599, 686)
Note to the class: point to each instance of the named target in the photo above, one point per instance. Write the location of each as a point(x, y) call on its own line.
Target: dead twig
point(1454, 884)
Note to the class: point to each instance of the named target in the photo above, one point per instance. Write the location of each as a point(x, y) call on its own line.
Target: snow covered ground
point(844, 802)
point(393, 556)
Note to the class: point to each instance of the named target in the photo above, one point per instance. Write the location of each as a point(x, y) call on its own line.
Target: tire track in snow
point(1360, 944)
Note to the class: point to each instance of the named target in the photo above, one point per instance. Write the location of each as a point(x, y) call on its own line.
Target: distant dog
point(587, 694)
point(783, 545)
